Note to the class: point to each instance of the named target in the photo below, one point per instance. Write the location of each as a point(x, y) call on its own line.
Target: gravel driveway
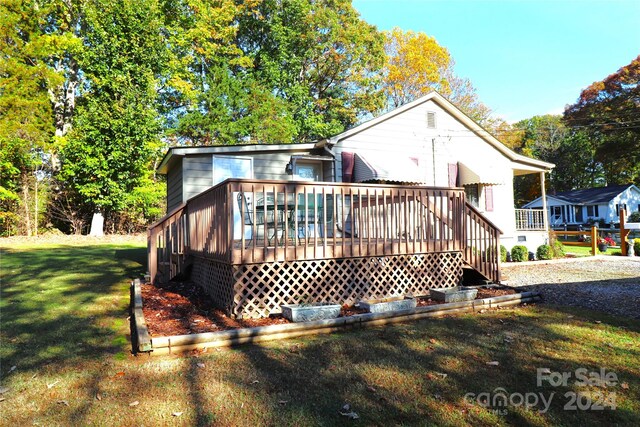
point(606, 284)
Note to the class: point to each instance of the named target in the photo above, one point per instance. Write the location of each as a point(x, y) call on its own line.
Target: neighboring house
point(428, 141)
point(590, 205)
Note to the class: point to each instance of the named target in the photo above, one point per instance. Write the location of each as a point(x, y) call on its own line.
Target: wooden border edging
point(181, 343)
point(143, 339)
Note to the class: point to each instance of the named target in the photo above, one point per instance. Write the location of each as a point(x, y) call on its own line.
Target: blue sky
point(525, 58)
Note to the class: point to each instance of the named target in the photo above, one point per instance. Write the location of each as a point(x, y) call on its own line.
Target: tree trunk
point(25, 202)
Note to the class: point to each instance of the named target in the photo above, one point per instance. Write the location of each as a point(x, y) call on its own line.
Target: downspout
point(433, 156)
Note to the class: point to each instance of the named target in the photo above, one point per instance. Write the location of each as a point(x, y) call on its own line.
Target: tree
point(608, 112)
point(416, 65)
point(572, 151)
point(319, 57)
point(28, 42)
point(106, 161)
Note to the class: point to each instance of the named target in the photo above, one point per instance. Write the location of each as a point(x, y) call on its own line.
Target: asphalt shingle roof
point(591, 196)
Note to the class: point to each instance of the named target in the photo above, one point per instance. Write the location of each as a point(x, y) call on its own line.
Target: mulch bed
point(182, 308)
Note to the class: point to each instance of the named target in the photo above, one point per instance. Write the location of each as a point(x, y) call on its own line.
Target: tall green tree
point(29, 42)
point(106, 161)
point(608, 112)
point(571, 150)
point(319, 57)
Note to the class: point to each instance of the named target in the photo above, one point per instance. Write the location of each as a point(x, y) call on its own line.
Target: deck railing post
point(594, 239)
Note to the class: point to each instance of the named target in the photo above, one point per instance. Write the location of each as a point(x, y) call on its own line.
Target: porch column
point(545, 213)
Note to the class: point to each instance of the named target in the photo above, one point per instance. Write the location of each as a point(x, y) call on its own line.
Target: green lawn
point(65, 329)
point(582, 251)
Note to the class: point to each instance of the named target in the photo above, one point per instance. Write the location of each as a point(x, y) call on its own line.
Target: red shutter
point(347, 166)
point(488, 199)
point(453, 174)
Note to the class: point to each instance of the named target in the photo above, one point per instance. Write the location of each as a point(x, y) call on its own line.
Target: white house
point(589, 205)
point(427, 142)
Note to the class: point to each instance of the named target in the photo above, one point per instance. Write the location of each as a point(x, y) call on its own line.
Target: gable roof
point(455, 112)
point(527, 163)
point(592, 196)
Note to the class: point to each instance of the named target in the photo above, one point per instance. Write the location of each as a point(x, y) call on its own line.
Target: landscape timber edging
point(177, 344)
point(142, 337)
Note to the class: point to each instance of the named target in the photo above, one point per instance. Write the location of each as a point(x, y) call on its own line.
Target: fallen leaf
point(442, 375)
point(433, 340)
point(493, 363)
point(63, 402)
point(371, 389)
point(98, 397)
point(176, 414)
point(134, 403)
point(119, 374)
point(598, 321)
point(283, 402)
point(346, 411)
point(53, 384)
point(200, 365)
point(1, 399)
point(13, 368)
point(255, 382)
point(625, 386)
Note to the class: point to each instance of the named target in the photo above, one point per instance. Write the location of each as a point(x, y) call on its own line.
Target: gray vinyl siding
point(190, 174)
point(174, 187)
point(197, 175)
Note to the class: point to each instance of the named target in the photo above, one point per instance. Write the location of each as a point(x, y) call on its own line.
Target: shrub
point(503, 254)
point(634, 217)
point(558, 249)
point(636, 246)
point(544, 252)
point(519, 253)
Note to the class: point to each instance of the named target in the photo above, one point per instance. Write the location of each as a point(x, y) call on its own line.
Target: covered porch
point(255, 245)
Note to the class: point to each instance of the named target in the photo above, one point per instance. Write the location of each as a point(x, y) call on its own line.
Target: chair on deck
point(257, 223)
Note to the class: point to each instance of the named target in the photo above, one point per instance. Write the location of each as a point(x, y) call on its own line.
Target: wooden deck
point(257, 244)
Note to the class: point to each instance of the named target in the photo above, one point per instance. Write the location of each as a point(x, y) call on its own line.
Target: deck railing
point(482, 251)
point(256, 221)
point(530, 219)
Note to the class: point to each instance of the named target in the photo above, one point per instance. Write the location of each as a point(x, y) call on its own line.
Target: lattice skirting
point(257, 290)
point(217, 279)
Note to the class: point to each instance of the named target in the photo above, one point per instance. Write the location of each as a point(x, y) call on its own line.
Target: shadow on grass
point(419, 373)
point(65, 303)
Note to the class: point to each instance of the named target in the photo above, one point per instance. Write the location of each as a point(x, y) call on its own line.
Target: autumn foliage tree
point(608, 112)
point(416, 65)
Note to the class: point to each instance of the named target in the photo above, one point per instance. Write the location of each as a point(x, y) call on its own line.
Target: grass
point(583, 251)
point(65, 329)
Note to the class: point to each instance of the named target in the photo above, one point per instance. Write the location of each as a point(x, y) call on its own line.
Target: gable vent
point(431, 119)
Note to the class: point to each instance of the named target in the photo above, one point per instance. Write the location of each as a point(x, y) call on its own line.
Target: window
point(431, 119)
point(307, 171)
point(592, 211)
point(231, 167)
point(471, 191)
point(622, 206)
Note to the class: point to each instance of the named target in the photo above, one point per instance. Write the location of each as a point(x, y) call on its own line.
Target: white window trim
point(213, 166)
point(305, 161)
